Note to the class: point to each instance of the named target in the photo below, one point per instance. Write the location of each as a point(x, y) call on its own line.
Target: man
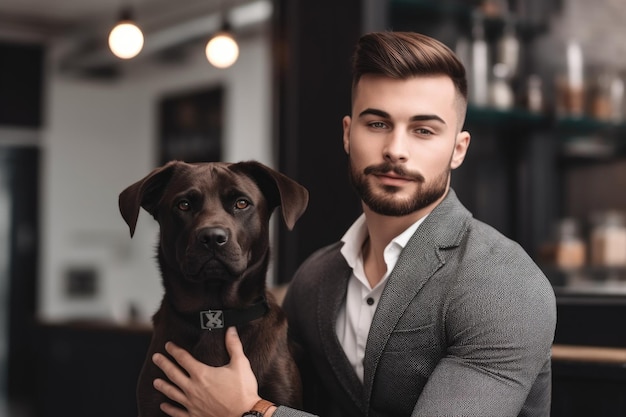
point(420, 310)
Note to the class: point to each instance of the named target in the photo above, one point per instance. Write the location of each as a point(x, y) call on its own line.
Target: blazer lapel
point(419, 260)
point(332, 296)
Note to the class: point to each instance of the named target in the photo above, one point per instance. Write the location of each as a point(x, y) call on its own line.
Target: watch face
point(252, 414)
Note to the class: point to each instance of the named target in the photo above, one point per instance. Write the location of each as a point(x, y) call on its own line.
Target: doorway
point(19, 212)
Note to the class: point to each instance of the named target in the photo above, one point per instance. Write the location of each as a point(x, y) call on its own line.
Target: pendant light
point(222, 50)
point(126, 39)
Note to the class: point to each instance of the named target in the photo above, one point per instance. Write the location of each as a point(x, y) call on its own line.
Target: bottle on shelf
point(608, 239)
point(479, 86)
point(616, 97)
point(570, 86)
point(508, 48)
point(501, 94)
point(534, 100)
point(570, 248)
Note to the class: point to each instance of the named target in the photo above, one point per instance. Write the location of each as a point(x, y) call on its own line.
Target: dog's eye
point(184, 205)
point(242, 204)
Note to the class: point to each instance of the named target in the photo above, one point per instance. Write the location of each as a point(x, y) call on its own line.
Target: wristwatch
point(259, 409)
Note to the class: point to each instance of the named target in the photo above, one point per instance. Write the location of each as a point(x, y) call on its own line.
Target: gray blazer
point(464, 327)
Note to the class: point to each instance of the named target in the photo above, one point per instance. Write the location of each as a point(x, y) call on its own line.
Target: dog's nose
point(213, 236)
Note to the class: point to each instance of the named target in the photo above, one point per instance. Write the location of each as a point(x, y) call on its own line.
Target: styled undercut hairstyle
point(402, 55)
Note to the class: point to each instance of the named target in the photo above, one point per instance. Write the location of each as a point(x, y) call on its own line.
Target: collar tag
point(212, 319)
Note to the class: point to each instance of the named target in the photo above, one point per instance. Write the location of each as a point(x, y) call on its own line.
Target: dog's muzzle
point(213, 255)
point(213, 237)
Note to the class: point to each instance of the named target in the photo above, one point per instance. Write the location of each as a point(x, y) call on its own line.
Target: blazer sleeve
point(283, 411)
point(500, 328)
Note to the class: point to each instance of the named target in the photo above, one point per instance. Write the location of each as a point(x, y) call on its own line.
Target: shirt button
point(370, 301)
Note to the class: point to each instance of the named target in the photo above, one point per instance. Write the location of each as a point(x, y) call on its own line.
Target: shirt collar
point(355, 236)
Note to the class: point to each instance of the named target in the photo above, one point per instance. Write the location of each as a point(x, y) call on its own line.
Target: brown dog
point(213, 253)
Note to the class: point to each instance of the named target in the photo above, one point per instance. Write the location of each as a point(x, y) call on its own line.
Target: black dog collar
point(219, 319)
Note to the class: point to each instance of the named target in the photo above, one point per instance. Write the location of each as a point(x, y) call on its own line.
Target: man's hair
point(402, 55)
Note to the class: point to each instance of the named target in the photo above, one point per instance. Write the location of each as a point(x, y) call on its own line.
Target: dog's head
point(213, 217)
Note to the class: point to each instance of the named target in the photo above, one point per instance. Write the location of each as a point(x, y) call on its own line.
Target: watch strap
point(259, 408)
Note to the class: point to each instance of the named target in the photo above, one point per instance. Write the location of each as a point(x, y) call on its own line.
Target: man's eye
point(184, 205)
point(378, 125)
point(242, 204)
point(423, 131)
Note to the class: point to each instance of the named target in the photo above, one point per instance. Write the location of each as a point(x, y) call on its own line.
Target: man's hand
point(208, 391)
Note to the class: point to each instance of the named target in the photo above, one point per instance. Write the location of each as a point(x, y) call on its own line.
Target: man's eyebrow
point(417, 118)
point(427, 117)
point(374, 112)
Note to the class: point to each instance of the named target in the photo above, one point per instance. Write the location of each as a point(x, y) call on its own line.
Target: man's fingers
point(182, 357)
point(173, 411)
point(234, 346)
point(204, 390)
point(170, 369)
point(169, 390)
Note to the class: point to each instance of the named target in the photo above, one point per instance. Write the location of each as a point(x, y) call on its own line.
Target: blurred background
point(79, 123)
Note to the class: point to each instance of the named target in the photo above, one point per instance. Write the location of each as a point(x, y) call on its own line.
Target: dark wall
point(87, 370)
point(21, 90)
point(23, 171)
point(21, 82)
point(313, 43)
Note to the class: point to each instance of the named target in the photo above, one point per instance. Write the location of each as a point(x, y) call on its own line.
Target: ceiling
point(82, 26)
point(42, 19)
point(59, 11)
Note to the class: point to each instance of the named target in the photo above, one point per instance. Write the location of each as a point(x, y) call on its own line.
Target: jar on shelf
point(534, 100)
point(570, 83)
point(569, 247)
point(616, 94)
point(599, 96)
point(608, 239)
point(500, 92)
point(607, 96)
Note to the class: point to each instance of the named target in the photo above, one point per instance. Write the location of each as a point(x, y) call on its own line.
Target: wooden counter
point(589, 354)
point(588, 381)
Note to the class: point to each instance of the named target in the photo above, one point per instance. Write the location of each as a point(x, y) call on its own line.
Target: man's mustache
point(387, 167)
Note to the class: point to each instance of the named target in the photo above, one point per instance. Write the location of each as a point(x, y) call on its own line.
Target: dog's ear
point(145, 193)
point(279, 190)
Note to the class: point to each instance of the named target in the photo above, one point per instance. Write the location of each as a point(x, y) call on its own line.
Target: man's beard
point(384, 202)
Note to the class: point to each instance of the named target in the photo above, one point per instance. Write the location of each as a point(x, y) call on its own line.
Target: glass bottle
point(534, 94)
point(479, 88)
point(509, 48)
point(608, 239)
point(501, 93)
point(570, 249)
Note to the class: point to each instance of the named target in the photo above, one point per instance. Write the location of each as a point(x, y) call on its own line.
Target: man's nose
point(395, 149)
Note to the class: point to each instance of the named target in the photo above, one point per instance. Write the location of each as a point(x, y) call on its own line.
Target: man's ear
point(347, 120)
point(460, 149)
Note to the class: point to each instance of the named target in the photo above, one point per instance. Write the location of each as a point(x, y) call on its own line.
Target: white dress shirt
point(356, 314)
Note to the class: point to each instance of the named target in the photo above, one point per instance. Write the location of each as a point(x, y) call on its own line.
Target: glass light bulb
point(126, 40)
point(222, 51)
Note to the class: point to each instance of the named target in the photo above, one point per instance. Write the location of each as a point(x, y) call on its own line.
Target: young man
point(420, 310)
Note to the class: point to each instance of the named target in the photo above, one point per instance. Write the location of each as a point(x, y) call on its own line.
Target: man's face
point(403, 140)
